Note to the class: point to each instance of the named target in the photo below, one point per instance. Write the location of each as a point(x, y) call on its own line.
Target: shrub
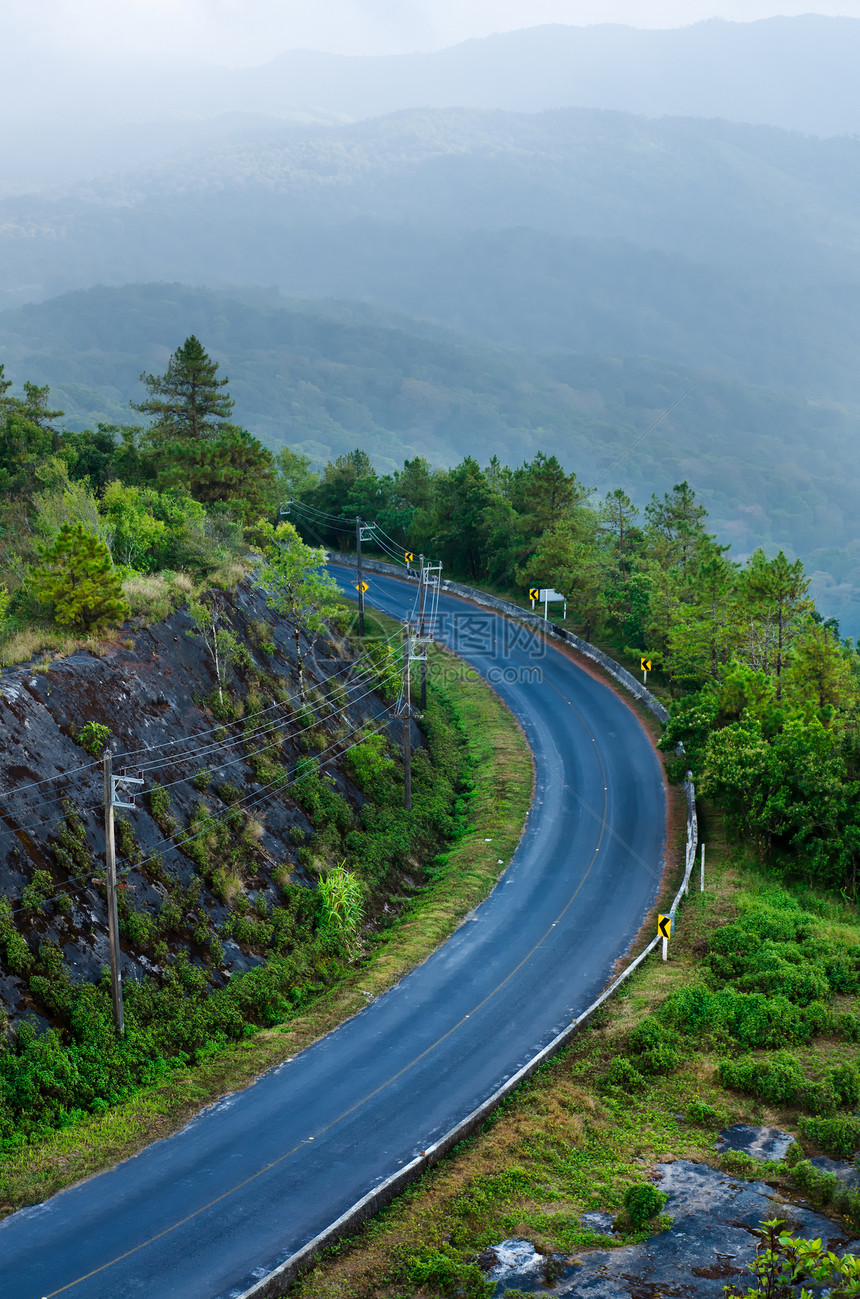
point(39, 889)
point(777, 1079)
point(93, 737)
point(623, 1074)
point(342, 900)
point(838, 1137)
point(642, 1203)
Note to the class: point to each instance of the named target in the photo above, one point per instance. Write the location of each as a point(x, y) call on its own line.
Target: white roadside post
point(702, 879)
point(664, 931)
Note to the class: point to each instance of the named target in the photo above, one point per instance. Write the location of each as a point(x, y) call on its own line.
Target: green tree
point(293, 474)
point(704, 631)
point(188, 401)
point(676, 527)
point(76, 576)
point(543, 492)
point(233, 469)
point(27, 439)
point(774, 605)
point(296, 585)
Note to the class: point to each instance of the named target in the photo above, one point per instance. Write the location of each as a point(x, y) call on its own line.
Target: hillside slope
point(230, 830)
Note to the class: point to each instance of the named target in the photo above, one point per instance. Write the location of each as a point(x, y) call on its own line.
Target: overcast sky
point(252, 31)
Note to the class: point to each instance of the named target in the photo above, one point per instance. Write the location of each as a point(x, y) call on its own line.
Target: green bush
point(777, 1079)
point(93, 737)
point(838, 1137)
point(642, 1203)
point(623, 1074)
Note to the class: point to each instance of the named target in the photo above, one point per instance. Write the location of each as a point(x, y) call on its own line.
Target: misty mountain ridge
point(798, 73)
point(696, 243)
point(324, 377)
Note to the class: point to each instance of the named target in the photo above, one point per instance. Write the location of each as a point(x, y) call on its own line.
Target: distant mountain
point(698, 243)
point(772, 469)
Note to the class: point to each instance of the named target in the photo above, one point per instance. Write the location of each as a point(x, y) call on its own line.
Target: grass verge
point(502, 777)
point(640, 1085)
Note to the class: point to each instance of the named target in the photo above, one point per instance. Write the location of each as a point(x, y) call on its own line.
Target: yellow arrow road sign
point(361, 586)
point(645, 665)
point(408, 556)
point(664, 926)
point(534, 593)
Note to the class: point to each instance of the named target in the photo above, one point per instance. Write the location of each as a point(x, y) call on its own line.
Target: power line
point(368, 675)
point(168, 843)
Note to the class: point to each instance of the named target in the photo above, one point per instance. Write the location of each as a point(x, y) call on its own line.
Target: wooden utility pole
point(421, 633)
point(406, 714)
point(113, 916)
point(360, 577)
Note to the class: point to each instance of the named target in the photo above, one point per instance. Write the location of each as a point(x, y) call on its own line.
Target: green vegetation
point(75, 1100)
point(785, 1264)
point(764, 695)
point(93, 737)
point(644, 1083)
point(326, 376)
point(98, 525)
point(76, 579)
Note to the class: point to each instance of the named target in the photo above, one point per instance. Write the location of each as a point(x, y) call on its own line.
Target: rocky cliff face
point(223, 778)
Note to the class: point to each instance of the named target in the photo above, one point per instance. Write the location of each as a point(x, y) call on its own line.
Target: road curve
point(205, 1213)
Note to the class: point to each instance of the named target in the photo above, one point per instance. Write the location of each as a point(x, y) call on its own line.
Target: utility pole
point(421, 633)
point(406, 714)
point(360, 577)
point(111, 801)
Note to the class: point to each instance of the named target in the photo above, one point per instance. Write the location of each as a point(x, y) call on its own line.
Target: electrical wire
point(168, 844)
point(368, 675)
point(201, 751)
point(131, 753)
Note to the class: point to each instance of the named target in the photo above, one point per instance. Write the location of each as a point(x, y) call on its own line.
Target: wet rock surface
point(153, 687)
point(708, 1246)
point(845, 1171)
point(759, 1143)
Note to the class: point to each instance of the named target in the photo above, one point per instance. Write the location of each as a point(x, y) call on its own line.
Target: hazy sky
point(251, 31)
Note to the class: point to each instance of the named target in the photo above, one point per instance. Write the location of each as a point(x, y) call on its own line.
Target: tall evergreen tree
point(188, 401)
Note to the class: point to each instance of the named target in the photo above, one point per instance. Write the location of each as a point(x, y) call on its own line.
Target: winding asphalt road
point(205, 1213)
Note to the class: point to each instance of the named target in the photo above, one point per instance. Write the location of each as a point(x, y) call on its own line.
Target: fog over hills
point(505, 280)
point(94, 116)
point(697, 242)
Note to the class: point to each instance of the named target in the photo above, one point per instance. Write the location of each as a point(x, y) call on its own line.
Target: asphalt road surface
point(205, 1213)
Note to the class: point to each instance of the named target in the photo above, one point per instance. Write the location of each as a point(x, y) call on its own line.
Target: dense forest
point(765, 694)
point(774, 469)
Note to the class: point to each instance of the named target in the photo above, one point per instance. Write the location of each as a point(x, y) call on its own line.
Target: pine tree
point(187, 401)
point(77, 577)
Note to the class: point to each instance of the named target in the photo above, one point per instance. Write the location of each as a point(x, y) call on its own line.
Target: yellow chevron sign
point(534, 593)
point(664, 926)
point(645, 664)
point(408, 556)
